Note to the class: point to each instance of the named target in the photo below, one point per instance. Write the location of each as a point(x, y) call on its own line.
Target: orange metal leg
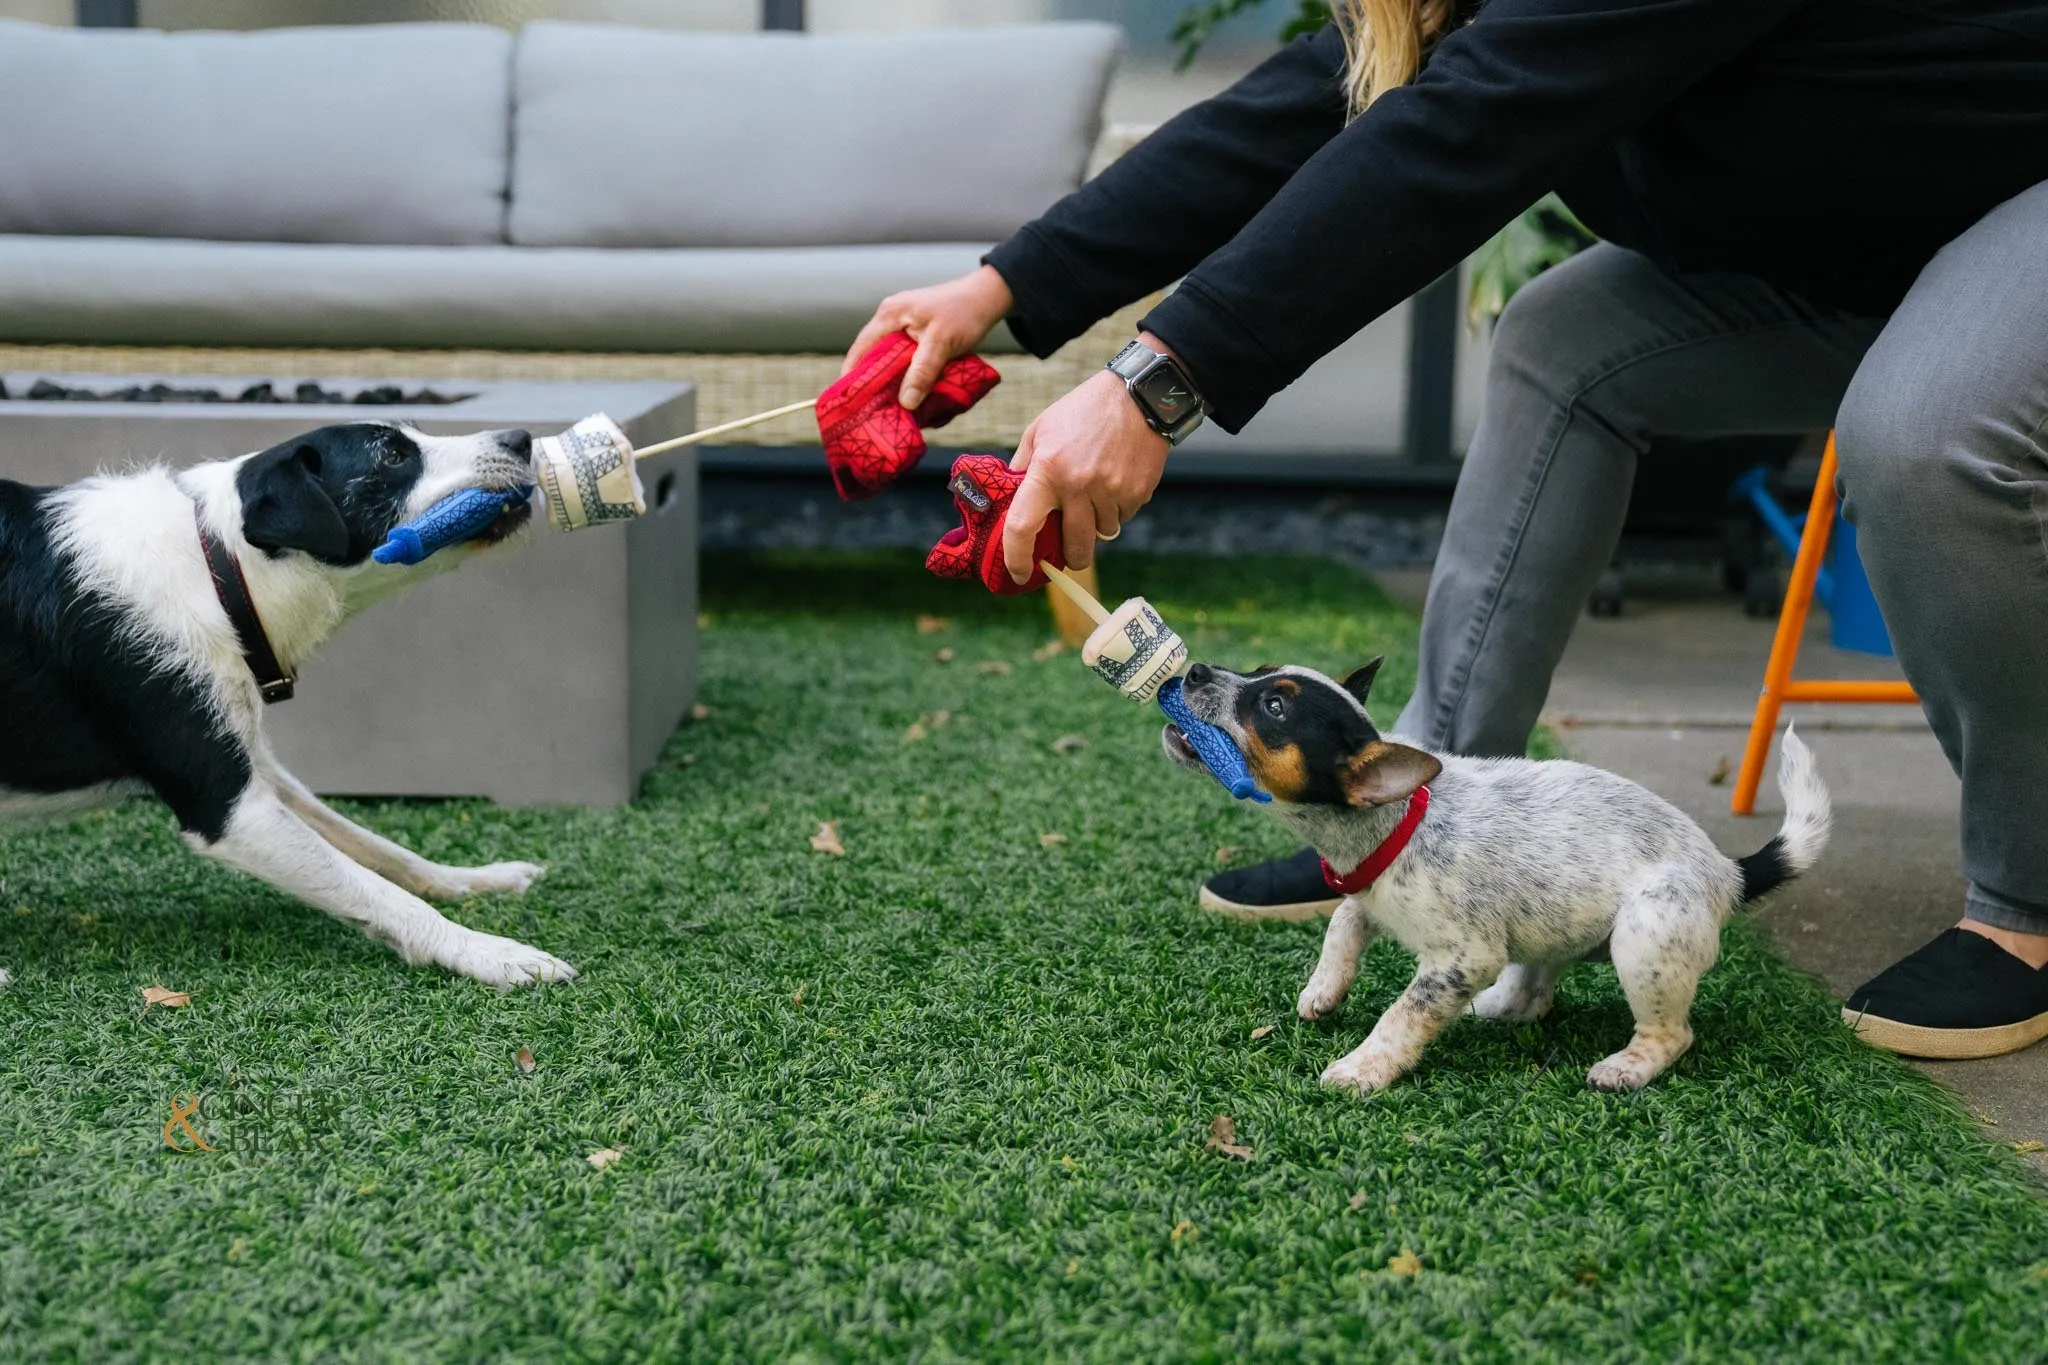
point(1813, 547)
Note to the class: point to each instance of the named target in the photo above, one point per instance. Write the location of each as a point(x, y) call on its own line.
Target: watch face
point(1168, 394)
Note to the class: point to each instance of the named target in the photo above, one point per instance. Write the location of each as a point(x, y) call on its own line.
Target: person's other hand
point(1091, 456)
point(947, 321)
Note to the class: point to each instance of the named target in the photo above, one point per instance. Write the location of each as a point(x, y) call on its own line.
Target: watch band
point(1136, 364)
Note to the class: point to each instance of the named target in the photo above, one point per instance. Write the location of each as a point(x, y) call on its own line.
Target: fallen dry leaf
point(1567, 721)
point(2030, 1145)
point(525, 1059)
point(1720, 773)
point(700, 712)
point(1181, 1229)
point(238, 1248)
point(1262, 1031)
point(1406, 1263)
point(1807, 926)
point(1224, 855)
point(1223, 1138)
point(1984, 1118)
point(170, 1000)
point(798, 999)
point(1051, 839)
point(944, 656)
point(1066, 744)
point(1411, 1138)
point(915, 732)
point(1073, 1269)
point(932, 625)
point(603, 1157)
point(1356, 1201)
point(1050, 649)
point(993, 668)
point(826, 840)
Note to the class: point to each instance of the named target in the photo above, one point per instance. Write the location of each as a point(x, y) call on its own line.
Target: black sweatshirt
point(1830, 147)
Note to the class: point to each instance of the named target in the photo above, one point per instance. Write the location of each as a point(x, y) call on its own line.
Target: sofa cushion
point(378, 133)
point(136, 291)
point(631, 138)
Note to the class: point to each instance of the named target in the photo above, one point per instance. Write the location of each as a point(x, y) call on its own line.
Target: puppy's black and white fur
point(1517, 869)
point(121, 672)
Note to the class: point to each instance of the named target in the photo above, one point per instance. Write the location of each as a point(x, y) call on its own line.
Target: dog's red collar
point(273, 679)
point(1380, 859)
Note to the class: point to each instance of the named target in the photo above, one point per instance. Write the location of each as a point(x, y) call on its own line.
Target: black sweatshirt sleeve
point(1506, 108)
point(1175, 197)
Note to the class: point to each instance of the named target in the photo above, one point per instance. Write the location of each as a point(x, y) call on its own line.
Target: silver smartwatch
point(1162, 390)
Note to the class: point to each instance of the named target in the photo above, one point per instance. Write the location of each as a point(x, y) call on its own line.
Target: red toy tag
point(983, 487)
point(871, 440)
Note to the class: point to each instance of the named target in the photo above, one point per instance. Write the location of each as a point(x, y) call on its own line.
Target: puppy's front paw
point(1621, 1073)
point(4, 978)
point(1363, 1072)
point(510, 879)
point(505, 963)
point(1323, 994)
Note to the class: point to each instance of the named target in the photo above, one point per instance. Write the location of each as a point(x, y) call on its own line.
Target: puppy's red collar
point(1380, 859)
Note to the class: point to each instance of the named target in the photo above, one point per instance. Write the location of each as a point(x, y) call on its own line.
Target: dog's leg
point(394, 862)
point(1665, 938)
point(1523, 992)
point(266, 840)
point(1442, 987)
point(1350, 934)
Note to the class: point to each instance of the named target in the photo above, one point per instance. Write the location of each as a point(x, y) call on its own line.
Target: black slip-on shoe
point(1290, 888)
point(1960, 996)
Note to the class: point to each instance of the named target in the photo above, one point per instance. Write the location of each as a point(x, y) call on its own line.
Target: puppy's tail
point(1808, 817)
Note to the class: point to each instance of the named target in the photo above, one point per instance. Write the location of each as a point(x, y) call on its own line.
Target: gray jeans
point(1940, 416)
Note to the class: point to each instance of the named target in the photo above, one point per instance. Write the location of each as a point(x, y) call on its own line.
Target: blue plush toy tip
point(450, 521)
point(1211, 745)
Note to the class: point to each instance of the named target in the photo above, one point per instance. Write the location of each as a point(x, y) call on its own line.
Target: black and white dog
point(1495, 873)
point(146, 619)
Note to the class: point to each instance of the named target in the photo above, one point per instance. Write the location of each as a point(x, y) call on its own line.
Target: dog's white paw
point(4, 978)
point(505, 963)
point(1321, 995)
point(1362, 1072)
point(1622, 1072)
point(1508, 1001)
point(512, 879)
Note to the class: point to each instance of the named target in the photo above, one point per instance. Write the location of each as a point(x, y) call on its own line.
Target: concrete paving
point(1664, 695)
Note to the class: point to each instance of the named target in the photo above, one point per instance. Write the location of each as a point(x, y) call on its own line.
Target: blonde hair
point(1387, 40)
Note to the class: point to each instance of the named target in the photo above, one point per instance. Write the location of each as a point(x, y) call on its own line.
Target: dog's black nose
point(1200, 676)
point(517, 443)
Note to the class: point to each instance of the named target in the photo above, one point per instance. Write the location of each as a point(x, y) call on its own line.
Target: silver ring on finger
point(1111, 536)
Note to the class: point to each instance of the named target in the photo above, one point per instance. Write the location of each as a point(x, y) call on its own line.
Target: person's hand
point(1091, 456)
point(947, 320)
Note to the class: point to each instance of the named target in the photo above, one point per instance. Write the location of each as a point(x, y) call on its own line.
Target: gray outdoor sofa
point(566, 201)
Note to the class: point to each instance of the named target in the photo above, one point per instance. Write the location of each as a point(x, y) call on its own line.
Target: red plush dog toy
point(983, 487)
point(871, 439)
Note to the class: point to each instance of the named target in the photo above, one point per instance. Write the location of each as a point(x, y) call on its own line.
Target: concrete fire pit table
point(550, 672)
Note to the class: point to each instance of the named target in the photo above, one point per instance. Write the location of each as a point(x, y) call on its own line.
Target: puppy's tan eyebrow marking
point(1288, 686)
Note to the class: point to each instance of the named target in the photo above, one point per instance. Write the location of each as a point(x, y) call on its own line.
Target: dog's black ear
point(286, 507)
point(1382, 772)
point(1359, 684)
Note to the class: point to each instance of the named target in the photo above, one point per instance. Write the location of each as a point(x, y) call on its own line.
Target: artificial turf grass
point(977, 1129)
